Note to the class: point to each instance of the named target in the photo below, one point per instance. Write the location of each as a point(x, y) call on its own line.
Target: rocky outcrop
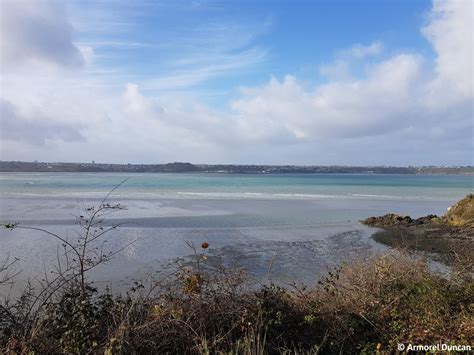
point(392, 220)
point(445, 236)
point(461, 213)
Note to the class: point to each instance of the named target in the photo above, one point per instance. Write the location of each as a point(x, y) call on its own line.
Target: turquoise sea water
point(238, 186)
point(301, 223)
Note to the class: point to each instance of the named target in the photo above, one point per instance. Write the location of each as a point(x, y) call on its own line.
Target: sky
point(323, 82)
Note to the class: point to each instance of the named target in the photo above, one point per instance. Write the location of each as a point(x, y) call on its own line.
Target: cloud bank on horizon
point(205, 82)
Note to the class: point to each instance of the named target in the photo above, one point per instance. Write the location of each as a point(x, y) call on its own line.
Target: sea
point(282, 228)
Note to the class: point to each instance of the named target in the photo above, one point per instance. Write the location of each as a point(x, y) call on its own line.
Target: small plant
point(6, 274)
point(65, 286)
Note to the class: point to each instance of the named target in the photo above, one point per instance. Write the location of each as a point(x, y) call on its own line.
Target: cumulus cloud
point(450, 31)
point(35, 131)
point(180, 115)
point(385, 100)
point(398, 96)
point(36, 31)
point(340, 68)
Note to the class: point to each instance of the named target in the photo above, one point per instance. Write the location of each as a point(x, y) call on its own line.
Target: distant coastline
point(179, 167)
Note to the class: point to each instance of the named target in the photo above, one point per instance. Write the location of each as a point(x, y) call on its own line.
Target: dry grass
point(395, 298)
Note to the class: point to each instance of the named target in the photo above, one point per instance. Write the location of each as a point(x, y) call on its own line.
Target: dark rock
point(431, 218)
point(390, 219)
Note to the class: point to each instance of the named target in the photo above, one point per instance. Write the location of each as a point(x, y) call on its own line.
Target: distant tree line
point(179, 167)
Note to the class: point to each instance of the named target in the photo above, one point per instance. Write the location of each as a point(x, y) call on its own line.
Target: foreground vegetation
point(367, 305)
point(364, 306)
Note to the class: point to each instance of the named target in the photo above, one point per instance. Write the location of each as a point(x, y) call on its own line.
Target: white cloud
point(33, 130)
point(201, 68)
point(36, 32)
point(340, 68)
point(361, 51)
point(383, 101)
point(87, 53)
point(134, 100)
point(451, 32)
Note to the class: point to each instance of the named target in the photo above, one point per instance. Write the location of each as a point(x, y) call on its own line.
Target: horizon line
point(92, 163)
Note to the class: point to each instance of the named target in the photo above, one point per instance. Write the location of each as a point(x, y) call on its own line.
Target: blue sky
point(260, 38)
point(299, 82)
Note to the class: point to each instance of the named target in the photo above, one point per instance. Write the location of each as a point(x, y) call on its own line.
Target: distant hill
point(179, 167)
